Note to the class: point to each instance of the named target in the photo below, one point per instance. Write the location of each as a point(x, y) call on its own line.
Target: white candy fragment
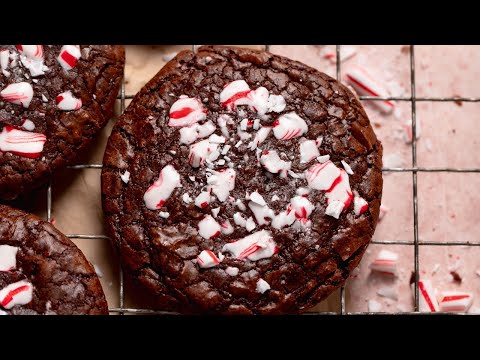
point(208, 227)
point(159, 192)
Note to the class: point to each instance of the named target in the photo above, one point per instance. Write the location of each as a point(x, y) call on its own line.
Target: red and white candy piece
point(193, 132)
point(4, 61)
point(301, 207)
point(31, 51)
point(259, 245)
point(222, 122)
point(334, 208)
point(272, 162)
point(22, 143)
point(308, 151)
point(19, 293)
point(208, 259)
point(208, 227)
point(289, 126)
point(263, 214)
point(157, 194)
point(18, 93)
point(385, 263)
point(259, 100)
point(186, 111)
point(284, 218)
point(67, 102)
point(234, 94)
point(322, 176)
point(340, 190)
point(262, 286)
point(203, 199)
point(8, 257)
point(360, 205)
point(226, 228)
point(222, 182)
point(201, 151)
point(455, 301)
point(68, 57)
point(427, 301)
point(260, 137)
point(365, 84)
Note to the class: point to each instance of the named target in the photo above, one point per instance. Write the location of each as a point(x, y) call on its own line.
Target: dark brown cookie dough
point(159, 247)
point(48, 266)
point(94, 79)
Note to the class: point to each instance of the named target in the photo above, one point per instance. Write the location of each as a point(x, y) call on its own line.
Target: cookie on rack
point(241, 182)
point(53, 101)
point(42, 272)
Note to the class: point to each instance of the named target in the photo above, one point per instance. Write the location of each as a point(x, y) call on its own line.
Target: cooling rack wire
point(414, 170)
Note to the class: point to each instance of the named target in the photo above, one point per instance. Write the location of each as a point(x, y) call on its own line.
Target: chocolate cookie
point(239, 182)
point(42, 271)
point(53, 100)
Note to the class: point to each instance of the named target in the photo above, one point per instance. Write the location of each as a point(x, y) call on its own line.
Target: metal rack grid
point(414, 170)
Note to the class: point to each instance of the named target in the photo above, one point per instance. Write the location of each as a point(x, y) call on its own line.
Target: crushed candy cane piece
point(159, 192)
point(186, 111)
point(208, 227)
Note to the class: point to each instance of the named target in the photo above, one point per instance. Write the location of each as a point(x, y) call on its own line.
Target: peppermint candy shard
point(19, 293)
point(68, 57)
point(234, 94)
point(259, 245)
point(67, 102)
point(222, 182)
point(262, 286)
point(427, 300)
point(22, 143)
point(31, 51)
point(322, 176)
point(272, 163)
point(8, 257)
point(360, 205)
point(308, 151)
point(385, 263)
point(201, 151)
point(208, 259)
point(186, 111)
point(159, 192)
point(455, 301)
point(289, 126)
point(226, 228)
point(208, 227)
point(18, 93)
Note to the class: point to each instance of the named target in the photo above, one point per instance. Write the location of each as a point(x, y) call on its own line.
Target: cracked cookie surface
point(62, 131)
point(160, 248)
point(60, 278)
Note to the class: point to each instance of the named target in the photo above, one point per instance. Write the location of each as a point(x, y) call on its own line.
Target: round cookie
point(53, 100)
point(224, 189)
point(42, 271)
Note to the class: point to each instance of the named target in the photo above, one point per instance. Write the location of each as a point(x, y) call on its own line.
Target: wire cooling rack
point(414, 170)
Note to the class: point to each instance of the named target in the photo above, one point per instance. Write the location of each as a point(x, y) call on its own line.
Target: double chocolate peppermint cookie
point(241, 182)
point(42, 271)
point(53, 100)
